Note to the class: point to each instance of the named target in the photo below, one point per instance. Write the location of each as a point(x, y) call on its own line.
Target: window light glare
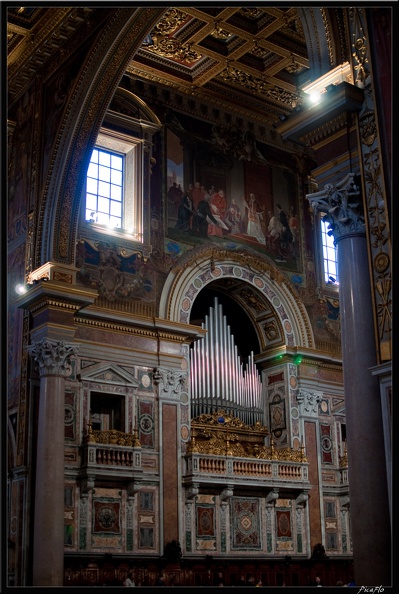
point(20, 289)
point(314, 97)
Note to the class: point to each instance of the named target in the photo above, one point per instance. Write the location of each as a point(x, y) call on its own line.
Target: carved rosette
point(342, 205)
point(52, 357)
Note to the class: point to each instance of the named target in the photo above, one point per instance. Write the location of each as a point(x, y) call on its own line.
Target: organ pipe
point(219, 379)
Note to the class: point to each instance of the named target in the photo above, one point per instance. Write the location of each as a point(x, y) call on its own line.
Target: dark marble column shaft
point(369, 508)
point(369, 503)
point(52, 358)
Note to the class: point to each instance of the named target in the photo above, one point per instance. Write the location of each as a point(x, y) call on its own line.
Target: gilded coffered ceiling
point(252, 58)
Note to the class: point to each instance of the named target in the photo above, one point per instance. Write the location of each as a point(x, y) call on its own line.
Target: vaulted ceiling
point(252, 58)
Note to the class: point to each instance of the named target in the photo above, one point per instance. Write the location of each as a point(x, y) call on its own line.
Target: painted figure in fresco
point(185, 213)
point(218, 208)
point(233, 218)
point(274, 231)
point(286, 235)
point(174, 197)
point(203, 216)
point(254, 213)
point(198, 194)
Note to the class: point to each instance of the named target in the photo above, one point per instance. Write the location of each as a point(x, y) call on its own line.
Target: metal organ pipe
point(218, 378)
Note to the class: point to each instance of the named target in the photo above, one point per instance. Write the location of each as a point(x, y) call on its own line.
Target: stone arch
point(324, 37)
point(200, 267)
point(104, 65)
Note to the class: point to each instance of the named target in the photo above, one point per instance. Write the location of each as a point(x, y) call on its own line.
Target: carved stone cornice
point(342, 205)
point(52, 357)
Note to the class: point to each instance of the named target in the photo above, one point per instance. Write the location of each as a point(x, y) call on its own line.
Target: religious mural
point(234, 201)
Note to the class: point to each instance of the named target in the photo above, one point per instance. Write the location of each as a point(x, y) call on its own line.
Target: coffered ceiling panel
point(254, 58)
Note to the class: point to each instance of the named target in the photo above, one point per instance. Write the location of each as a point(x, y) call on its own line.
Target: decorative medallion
point(381, 262)
point(145, 380)
point(146, 424)
point(287, 326)
point(69, 414)
point(184, 432)
point(326, 443)
point(259, 282)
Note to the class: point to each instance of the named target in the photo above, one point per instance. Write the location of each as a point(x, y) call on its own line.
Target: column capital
point(343, 207)
point(309, 401)
point(52, 357)
point(170, 382)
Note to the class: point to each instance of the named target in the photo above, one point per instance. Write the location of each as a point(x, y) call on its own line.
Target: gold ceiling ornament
point(294, 66)
point(360, 50)
point(251, 12)
point(257, 50)
point(220, 33)
point(168, 47)
point(169, 22)
point(257, 84)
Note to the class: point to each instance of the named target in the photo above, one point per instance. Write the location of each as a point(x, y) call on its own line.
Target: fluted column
point(365, 438)
point(53, 360)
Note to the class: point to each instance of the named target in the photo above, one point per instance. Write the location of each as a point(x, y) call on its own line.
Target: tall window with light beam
point(330, 264)
point(104, 188)
point(113, 201)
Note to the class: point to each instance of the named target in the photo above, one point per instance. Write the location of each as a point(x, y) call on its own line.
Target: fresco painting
point(250, 204)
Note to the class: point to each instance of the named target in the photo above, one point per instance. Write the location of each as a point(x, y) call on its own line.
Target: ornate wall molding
point(375, 198)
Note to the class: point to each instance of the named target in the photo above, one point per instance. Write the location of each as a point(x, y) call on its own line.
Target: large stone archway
point(199, 269)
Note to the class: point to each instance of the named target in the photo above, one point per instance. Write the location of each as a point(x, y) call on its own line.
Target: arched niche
point(249, 273)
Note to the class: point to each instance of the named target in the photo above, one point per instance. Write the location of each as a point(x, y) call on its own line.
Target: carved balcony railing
point(223, 449)
point(208, 469)
point(111, 453)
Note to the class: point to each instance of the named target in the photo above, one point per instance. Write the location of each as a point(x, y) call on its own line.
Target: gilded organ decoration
point(224, 435)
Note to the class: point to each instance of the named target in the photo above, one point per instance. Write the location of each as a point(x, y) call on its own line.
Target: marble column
point(53, 360)
point(368, 490)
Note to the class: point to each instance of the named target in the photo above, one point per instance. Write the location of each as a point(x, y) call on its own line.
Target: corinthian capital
point(52, 357)
point(342, 205)
point(169, 382)
point(308, 401)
